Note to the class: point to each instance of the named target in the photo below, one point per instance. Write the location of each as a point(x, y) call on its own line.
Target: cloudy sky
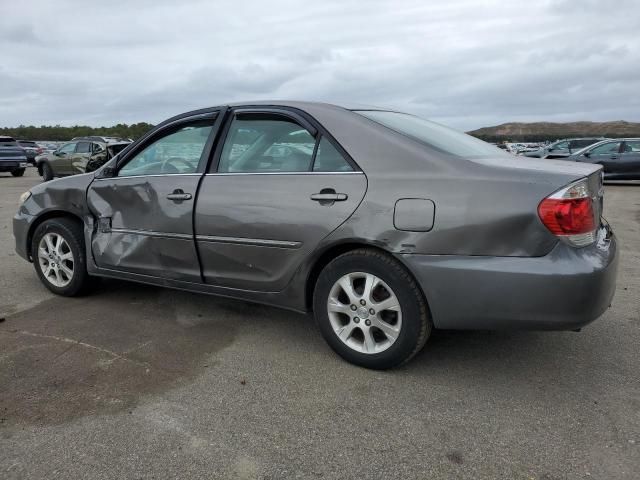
point(465, 63)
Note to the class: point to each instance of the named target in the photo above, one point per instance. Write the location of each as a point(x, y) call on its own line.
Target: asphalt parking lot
point(141, 382)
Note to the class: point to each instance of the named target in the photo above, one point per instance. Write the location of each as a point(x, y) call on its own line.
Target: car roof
point(298, 104)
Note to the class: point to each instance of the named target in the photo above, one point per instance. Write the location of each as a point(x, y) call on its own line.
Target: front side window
point(439, 137)
point(266, 142)
point(68, 148)
point(177, 151)
point(632, 146)
point(606, 148)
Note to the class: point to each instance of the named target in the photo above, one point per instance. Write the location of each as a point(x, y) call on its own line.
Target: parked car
point(31, 149)
point(13, 158)
point(102, 139)
point(382, 224)
point(563, 148)
point(78, 156)
point(620, 158)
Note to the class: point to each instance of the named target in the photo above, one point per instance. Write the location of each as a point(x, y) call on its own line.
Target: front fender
point(60, 197)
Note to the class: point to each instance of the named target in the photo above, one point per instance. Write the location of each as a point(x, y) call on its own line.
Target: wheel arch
point(331, 252)
point(48, 215)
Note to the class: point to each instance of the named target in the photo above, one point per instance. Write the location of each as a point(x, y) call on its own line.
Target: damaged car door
point(144, 205)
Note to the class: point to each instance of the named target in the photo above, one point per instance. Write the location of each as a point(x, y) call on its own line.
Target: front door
point(630, 159)
point(145, 212)
point(277, 188)
point(607, 155)
point(80, 157)
point(60, 160)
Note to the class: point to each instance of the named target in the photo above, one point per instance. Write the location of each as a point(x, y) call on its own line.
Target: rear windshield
point(27, 144)
point(437, 136)
point(8, 142)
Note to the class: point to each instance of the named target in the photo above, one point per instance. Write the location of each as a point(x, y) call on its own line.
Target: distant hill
point(529, 132)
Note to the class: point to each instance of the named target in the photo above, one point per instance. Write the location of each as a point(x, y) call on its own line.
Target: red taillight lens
point(569, 213)
point(567, 216)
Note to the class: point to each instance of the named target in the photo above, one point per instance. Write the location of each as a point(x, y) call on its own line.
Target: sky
point(463, 63)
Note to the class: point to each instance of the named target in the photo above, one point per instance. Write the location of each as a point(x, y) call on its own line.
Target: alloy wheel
point(364, 312)
point(56, 259)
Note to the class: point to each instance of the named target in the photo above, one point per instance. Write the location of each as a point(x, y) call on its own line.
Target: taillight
point(569, 213)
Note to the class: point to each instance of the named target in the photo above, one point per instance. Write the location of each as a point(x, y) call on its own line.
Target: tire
point(46, 172)
point(73, 247)
point(406, 329)
point(18, 173)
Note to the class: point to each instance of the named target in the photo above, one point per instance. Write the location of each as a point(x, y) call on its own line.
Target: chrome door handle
point(178, 195)
point(329, 197)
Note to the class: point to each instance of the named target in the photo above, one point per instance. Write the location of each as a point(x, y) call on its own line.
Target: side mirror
point(108, 171)
point(587, 154)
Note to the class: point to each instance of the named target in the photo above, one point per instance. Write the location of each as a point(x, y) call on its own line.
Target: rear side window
point(584, 143)
point(439, 137)
point(632, 146)
point(266, 142)
point(83, 147)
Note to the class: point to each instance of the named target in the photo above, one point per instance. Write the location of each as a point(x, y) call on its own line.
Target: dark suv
point(563, 148)
point(12, 157)
point(81, 155)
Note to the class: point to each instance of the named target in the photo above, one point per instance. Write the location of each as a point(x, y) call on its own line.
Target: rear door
point(630, 159)
point(80, 157)
point(278, 186)
point(145, 212)
point(607, 155)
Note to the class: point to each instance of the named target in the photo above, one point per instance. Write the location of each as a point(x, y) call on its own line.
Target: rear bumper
point(564, 290)
point(10, 166)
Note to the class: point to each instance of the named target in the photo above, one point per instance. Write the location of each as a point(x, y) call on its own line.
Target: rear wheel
point(18, 173)
point(370, 310)
point(46, 171)
point(59, 256)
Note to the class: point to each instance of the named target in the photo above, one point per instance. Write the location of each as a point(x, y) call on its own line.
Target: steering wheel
point(169, 162)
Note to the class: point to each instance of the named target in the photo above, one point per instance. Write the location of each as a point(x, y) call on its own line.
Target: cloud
point(464, 63)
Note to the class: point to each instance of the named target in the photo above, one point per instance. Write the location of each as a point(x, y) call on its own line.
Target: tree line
point(60, 133)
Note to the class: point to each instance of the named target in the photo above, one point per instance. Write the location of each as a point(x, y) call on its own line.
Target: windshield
point(437, 136)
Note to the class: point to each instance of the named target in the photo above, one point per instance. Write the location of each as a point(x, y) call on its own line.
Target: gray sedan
point(382, 224)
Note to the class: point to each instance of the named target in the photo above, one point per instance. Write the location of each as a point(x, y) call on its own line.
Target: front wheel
point(18, 173)
point(59, 256)
point(370, 309)
point(46, 172)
